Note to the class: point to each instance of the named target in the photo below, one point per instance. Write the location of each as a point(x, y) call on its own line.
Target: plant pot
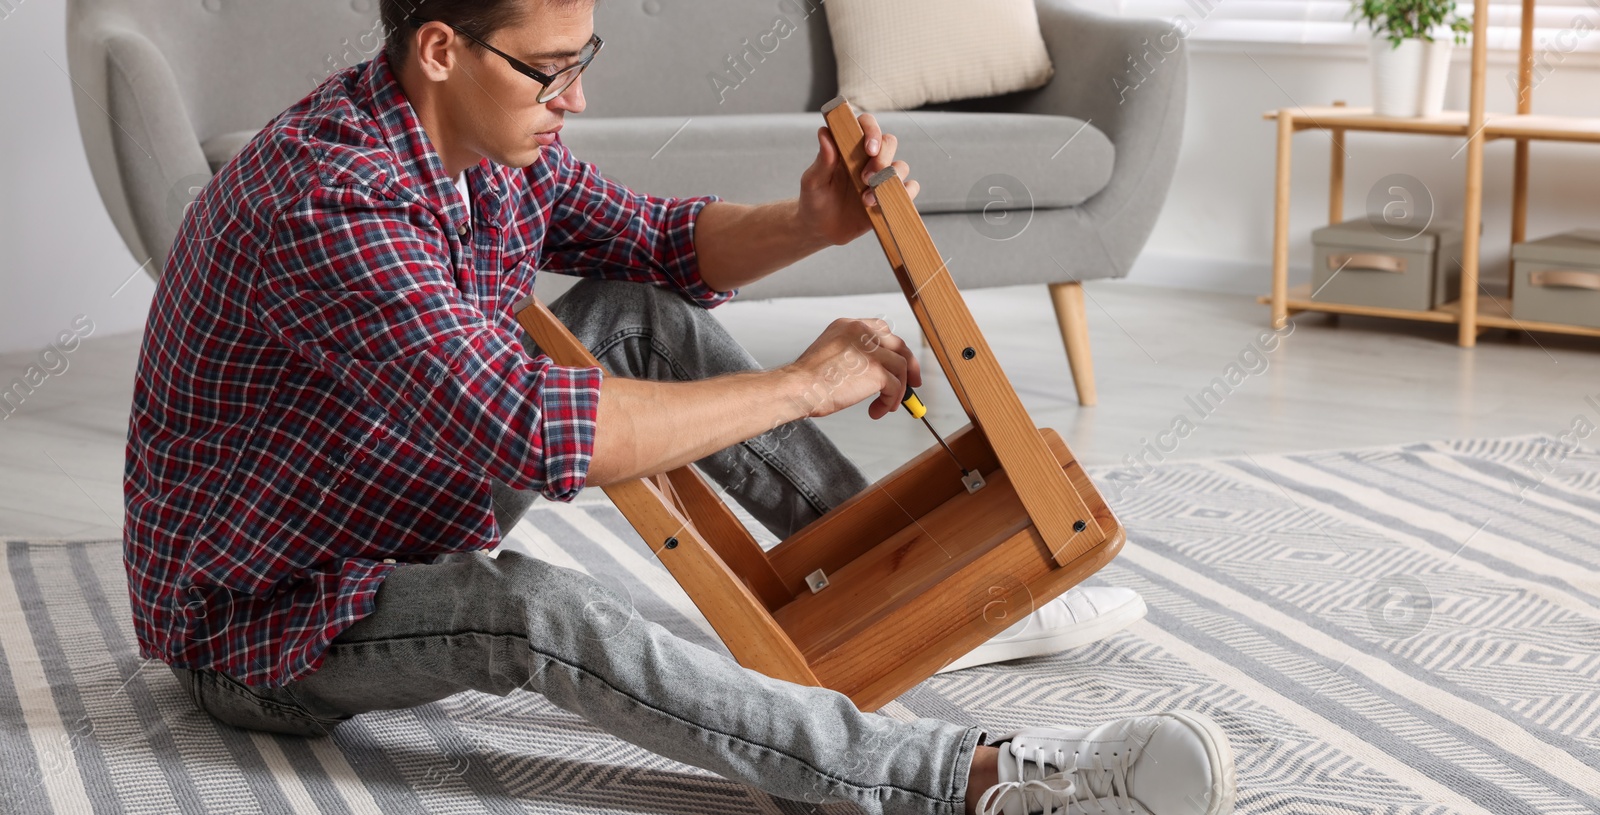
point(1409, 80)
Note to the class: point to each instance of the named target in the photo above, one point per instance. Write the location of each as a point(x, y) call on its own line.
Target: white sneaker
point(1176, 763)
point(1082, 615)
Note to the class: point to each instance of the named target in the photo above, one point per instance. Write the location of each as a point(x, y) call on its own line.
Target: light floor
point(1362, 382)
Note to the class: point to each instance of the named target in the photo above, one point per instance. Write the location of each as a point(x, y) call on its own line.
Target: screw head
point(672, 543)
point(968, 353)
point(1079, 526)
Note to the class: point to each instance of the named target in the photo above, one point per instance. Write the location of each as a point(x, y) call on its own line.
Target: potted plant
point(1409, 65)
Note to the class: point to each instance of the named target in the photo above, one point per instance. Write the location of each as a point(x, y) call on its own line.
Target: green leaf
point(1399, 20)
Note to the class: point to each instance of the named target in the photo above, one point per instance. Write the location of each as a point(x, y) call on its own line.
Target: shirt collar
point(397, 121)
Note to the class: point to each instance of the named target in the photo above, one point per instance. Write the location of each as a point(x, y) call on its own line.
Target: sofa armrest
point(1126, 74)
point(157, 154)
point(1128, 77)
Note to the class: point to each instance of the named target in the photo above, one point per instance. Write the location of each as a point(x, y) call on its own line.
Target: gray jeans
point(469, 621)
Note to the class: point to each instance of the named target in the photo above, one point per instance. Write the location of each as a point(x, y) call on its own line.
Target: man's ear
point(432, 43)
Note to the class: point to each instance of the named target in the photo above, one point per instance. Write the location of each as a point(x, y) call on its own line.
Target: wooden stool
point(878, 594)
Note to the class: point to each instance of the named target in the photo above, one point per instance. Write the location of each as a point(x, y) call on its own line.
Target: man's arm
point(599, 228)
point(739, 244)
point(704, 246)
point(644, 427)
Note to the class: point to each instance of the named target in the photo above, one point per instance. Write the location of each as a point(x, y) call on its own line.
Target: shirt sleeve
point(600, 228)
point(362, 288)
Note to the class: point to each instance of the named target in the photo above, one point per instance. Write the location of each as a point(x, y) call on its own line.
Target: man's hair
point(480, 18)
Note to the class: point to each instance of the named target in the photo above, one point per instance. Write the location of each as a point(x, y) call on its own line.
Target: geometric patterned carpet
point(1408, 630)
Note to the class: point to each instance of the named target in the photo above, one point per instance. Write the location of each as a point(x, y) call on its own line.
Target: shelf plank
point(1535, 126)
point(1492, 313)
point(1300, 300)
point(1543, 127)
point(1446, 123)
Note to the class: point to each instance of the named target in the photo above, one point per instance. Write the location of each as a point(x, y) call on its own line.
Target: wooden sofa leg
point(1068, 300)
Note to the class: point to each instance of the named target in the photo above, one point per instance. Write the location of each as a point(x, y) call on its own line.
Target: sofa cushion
point(963, 161)
point(902, 54)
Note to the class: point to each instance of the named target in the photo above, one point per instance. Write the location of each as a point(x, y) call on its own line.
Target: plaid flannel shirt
point(331, 372)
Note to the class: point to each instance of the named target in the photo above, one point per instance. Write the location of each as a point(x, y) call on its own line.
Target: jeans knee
point(559, 597)
point(667, 309)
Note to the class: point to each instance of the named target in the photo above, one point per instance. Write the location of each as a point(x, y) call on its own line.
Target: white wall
point(60, 256)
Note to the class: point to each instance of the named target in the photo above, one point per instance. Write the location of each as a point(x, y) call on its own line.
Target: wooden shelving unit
point(1470, 313)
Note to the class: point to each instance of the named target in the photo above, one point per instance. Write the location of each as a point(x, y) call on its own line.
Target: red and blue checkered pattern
point(331, 371)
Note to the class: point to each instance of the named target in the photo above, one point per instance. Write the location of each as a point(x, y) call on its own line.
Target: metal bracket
point(973, 479)
point(817, 580)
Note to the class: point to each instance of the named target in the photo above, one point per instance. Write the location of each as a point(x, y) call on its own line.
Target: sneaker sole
point(1020, 648)
point(1219, 752)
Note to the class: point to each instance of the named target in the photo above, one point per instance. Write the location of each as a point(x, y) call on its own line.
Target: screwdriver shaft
point(914, 404)
point(944, 445)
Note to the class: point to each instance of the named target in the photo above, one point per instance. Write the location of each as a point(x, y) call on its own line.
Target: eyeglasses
point(554, 84)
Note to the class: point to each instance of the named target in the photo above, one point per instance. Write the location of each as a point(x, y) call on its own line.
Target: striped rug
point(1410, 629)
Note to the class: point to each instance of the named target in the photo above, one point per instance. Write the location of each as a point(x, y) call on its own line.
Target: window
point(1561, 27)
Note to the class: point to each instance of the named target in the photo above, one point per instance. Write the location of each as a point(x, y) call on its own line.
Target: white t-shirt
point(461, 184)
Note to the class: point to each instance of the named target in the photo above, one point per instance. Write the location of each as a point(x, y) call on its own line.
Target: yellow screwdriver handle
point(913, 403)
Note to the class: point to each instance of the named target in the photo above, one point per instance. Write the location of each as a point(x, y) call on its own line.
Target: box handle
point(1367, 261)
point(1565, 279)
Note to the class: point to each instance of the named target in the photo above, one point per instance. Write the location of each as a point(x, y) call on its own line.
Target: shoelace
point(1113, 775)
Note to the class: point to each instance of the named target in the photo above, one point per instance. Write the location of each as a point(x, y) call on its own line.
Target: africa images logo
point(52, 361)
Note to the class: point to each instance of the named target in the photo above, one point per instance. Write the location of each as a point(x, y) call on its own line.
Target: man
point(336, 415)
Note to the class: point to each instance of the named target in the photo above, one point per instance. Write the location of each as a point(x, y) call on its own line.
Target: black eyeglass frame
point(544, 79)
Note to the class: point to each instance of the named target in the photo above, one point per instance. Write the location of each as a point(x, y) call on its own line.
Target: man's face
point(496, 109)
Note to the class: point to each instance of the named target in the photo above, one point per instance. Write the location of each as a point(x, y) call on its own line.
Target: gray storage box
point(1360, 263)
point(1558, 279)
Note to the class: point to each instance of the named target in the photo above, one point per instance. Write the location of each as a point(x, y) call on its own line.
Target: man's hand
point(829, 206)
point(853, 360)
point(646, 426)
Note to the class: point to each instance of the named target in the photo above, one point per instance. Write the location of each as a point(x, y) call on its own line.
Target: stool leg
point(1074, 323)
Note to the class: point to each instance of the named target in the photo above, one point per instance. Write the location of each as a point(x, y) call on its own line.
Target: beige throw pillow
point(900, 54)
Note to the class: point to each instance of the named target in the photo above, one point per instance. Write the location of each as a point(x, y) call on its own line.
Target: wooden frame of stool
point(879, 593)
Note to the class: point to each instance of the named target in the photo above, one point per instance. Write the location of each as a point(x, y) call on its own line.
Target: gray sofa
point(1050, 186)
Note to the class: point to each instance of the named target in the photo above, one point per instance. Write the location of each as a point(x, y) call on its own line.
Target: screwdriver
point(918, 410)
